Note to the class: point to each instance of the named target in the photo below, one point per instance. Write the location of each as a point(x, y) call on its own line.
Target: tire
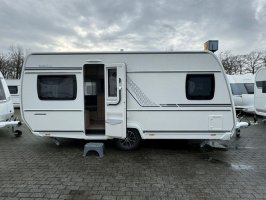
point(131, 142)
point(238, 133)
point(18, 133)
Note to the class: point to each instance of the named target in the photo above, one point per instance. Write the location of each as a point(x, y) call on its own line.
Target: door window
point(112, 82)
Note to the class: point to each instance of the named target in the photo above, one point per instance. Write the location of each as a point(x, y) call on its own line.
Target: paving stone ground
point(33, 167)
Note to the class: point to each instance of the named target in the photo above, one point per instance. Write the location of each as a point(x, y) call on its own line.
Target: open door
point(115, 100)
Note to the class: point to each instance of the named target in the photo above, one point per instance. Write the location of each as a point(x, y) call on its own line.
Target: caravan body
point(260, 92)
point(6, 106)
point(159, 95)
point(242, 87)
point(14, 90)
point(7, 109)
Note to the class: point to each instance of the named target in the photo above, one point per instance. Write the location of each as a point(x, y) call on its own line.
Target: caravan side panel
point(48, 106)
point(160, 107)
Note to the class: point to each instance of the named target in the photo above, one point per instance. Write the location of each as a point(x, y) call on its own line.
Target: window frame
point(200, 98)
point(58, 99)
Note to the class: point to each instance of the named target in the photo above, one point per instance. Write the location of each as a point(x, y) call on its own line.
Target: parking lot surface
point(33, 167)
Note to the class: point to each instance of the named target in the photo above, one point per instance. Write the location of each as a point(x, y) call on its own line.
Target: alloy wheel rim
point(130, 140)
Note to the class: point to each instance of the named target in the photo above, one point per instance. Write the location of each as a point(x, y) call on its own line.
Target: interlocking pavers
point(33, 167)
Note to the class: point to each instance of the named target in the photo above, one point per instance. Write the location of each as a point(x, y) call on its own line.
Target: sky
point(132, 25)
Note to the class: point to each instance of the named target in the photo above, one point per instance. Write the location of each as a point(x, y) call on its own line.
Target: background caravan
point(242, 87)
point(7, 109)
point(127, 96)
point(14, 90)
point(260, 92)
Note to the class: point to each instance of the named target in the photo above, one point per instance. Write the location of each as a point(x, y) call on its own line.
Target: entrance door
point(115, 100)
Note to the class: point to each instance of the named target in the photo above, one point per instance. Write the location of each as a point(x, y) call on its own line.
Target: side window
point(259, 84)
point(90, 88)
point(112, 82)
point(57, 87)
point(249, 87)
point(263, 86)
point(239, 89)
point(200, 86)
point(13, 89)
point(2, 91)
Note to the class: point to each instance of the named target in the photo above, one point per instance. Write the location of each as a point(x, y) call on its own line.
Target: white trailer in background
point(127, 96)
point(6, 108)
point(260, 92)
point(14, 90)
point(242, 87)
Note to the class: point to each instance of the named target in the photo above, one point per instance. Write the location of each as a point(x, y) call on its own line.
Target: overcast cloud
point(96, 25)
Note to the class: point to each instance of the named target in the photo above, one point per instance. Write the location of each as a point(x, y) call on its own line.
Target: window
point(200, 86)
point(112, 82)
point(90, 88)
point(263, 86)
point(259, 84)
point(249, 87)
point(13, 89)
point(57, 87)
point(2, 92)
point(242, 88)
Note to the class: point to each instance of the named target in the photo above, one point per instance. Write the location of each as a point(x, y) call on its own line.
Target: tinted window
point(2, 92)
point(57, 87)
point(249, 87)
point(13, 89)
point(112, 82)
point(200, 86)
point(242, 88)
point(263, 86)
point(259, 84)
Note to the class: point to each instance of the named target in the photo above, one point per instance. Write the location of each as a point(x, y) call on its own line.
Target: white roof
point(261, 74)
point(242, 78)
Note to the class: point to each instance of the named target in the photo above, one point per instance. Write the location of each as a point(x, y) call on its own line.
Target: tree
point(264, 59)
point(15, 61)
point(253, 61)
point(232, 64)
point(3, 65)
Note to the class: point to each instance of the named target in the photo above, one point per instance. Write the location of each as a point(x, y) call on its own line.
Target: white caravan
point(242, 87)
point(128, 96)
point(260, 92)
point(14, 89)
point(6, 107)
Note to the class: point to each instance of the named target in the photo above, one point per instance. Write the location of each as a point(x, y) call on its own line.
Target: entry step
point(95, 132)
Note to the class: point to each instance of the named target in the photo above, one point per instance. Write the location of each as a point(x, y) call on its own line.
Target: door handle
point(113, 121)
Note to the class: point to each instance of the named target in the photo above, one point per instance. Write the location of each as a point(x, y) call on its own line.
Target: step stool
point(98, 147)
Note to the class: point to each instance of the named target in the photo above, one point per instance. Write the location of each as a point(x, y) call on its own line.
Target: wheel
point(238, 133)
point(131, 142)
point(18, 133)
point(245, 119)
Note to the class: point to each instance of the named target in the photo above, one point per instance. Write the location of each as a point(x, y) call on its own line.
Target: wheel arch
point(134, 125)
